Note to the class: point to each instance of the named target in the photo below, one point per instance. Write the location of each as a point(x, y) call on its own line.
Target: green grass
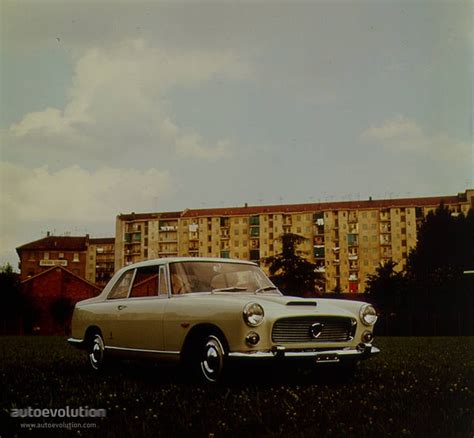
point(415, 387)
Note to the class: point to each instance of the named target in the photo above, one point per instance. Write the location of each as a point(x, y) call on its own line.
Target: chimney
point(246, 205)
point(48, 234)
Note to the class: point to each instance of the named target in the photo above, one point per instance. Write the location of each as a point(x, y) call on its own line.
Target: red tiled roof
point(146, 216)
point(102, 240)
point(323, 206)
point(50, 270)
point(65, 243)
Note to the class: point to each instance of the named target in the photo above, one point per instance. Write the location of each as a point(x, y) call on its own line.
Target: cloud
point(77, 195)
point(118, 100)
point(403, 135)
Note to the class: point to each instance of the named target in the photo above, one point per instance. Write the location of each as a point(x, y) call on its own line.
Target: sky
point(110, 107)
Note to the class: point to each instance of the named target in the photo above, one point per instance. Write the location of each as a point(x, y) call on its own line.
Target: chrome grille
point(298, 329)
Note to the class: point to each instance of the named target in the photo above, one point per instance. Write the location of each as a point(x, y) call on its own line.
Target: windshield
point(190, 277)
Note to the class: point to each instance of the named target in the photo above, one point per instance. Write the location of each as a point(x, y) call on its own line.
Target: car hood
point(284, 304)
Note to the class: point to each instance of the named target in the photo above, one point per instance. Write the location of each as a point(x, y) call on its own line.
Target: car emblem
point(316, 329)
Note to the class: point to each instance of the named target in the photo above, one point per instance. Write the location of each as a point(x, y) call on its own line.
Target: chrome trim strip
point(139, 350)
point(75, 342)
point(281, 352)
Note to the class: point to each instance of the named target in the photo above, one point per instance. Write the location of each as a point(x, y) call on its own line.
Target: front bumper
point(362, 351)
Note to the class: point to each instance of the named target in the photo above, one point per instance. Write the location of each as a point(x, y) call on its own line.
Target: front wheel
point(211, 358)
point(96, 352)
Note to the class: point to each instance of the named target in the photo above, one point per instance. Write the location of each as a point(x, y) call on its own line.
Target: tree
point(437, 284)
point(12, 302)
point(293, 274)
point(433, 293)
point(386, 285)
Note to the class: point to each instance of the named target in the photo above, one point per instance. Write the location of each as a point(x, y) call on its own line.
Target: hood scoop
point(302, 303)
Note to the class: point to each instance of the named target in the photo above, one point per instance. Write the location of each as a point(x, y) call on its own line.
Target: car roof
point(166, 260)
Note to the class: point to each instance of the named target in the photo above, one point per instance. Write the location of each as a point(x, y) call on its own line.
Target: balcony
point(353, 257)
point(352, 240)
point(354, 228)
point(254, 232)
point(168, 253)
point(353, 277)
point(319, 240)
point(133, 228)
point(384, 215)
point(318, 219)
point(352, 217)
point(254, 220)
point(319, 230)
point(224, 222)
point(168, 225)
point(319, 251)
point(163, 239)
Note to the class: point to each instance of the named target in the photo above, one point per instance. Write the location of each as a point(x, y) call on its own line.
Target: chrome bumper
point(362, 351)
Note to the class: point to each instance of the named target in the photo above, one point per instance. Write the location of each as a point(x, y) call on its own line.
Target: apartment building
point(346, 240)
point(100, 266)
point(90, 259)
point(145, 236)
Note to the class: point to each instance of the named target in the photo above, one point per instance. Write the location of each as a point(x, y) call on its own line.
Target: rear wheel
point(96, 352)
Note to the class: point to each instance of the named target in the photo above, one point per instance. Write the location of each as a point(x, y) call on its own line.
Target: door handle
point(121, 307)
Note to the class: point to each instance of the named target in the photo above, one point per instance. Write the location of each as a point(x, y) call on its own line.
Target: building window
point(75, 257)
point(46, 256)
point(61, 255)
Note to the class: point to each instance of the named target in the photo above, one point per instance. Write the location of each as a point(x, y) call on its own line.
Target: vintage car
point(207, 311)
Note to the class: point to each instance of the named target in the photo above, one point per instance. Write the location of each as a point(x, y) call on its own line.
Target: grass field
point(415, 387)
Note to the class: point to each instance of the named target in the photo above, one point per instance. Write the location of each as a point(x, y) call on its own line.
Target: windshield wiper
point(264, 289)
point(229, 289)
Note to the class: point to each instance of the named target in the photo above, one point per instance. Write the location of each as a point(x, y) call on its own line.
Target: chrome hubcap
point(213, 358)
point(96, 355)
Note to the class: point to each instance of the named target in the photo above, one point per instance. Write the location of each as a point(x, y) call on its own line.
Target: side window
point(145, 283)
point(163, 282)
point(121, 288)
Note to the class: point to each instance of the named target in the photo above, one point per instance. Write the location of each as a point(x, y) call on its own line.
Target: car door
point(108, 316)
point(141, 316)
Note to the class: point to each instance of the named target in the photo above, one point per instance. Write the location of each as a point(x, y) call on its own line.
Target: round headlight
point(253, 314)
point(368, 314)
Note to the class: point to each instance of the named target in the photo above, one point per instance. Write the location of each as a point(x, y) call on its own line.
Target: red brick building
point(66, 251)
point(51, 295)
point(91, 259)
